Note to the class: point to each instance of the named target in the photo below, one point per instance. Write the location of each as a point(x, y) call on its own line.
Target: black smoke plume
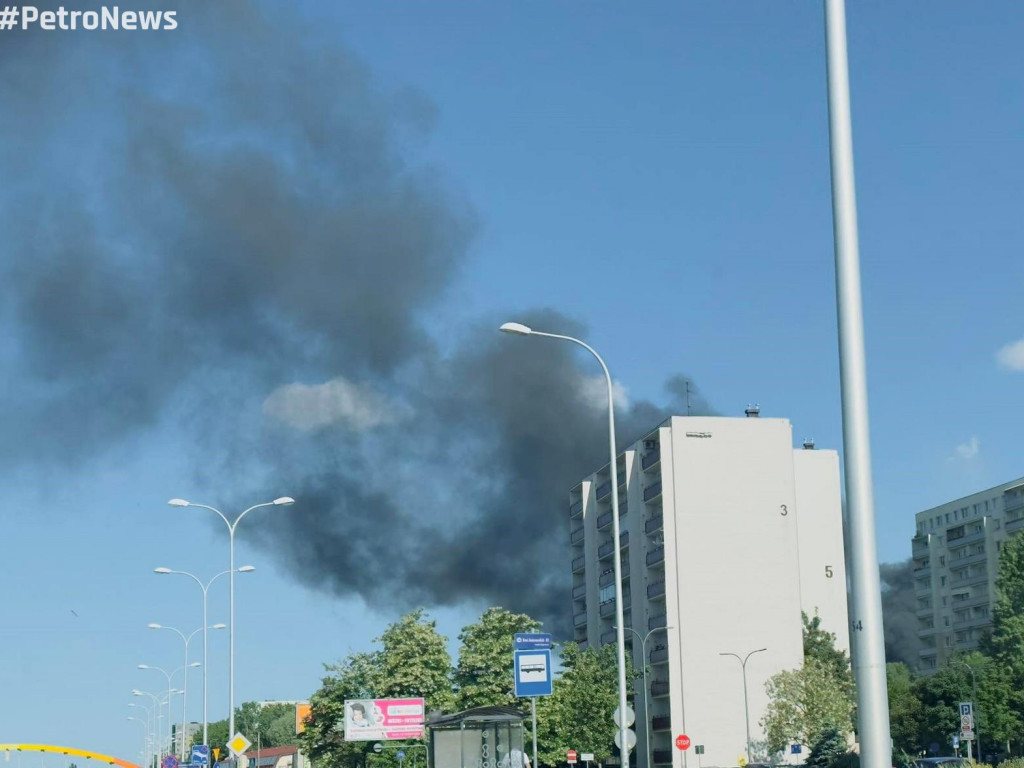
point(224, 229)
point(899, 612)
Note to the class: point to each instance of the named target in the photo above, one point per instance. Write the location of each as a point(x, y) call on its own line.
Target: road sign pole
point(533, 717)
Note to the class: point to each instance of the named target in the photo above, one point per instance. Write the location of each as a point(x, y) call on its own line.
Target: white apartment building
point(727, 534)
point(956, 561)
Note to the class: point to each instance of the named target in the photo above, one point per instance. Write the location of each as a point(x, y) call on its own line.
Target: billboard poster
point(383, 719)
point(303, 712)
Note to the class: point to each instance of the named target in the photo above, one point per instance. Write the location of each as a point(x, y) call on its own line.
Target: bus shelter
point(484, 737)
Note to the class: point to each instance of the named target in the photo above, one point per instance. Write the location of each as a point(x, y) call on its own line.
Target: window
point(942, 581)
point(942, 559)
point(607, 593)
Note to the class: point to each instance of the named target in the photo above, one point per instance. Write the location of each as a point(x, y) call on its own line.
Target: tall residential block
point(956, 561)
point(727, 535)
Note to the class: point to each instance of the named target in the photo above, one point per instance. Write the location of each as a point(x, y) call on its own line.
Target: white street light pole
point(184, 694)
point(746, 704)
point(523, 330)
point(866, 637)
point(232, 526)
point(647, 713)
point(206, 589)
point(170, 719)
point(974, 704)
point(155, 714)
point(145, 730)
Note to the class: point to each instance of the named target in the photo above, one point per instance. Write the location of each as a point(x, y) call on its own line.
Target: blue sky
point(657, 173)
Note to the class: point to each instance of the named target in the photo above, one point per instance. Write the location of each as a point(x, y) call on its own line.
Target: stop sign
point(683, 741)
point(570, 756)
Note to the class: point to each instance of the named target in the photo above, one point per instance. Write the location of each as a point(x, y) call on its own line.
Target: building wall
point(820, 541)
point(713, 537)
point(956, 561)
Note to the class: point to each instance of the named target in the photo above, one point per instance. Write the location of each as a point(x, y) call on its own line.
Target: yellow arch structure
point(67, 751)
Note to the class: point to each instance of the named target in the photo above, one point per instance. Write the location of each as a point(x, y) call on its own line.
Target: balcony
point(656, 589)
point(973, 621)
point(578, 563)
point(576, 508)
point(581, 644)
point(973, 557)
point(970, 538)
point(659, 688)
point(603, 490)
point(605, 550)
point(919, 545)
point(925, 612)
point(603, 521)
point(654, 523)
point(661, 723)
point(579, 619)
point(1013, 525)
point(650, 459)
point(974, 578)
point(608, 577)
point(608, 607)
point(662, 756)
point(657, 622)
point(652, 491)
point(659, 656)
point(655, 556)
point(622, 478)
point(579, 591)
point(608, 636)
point(576, 537)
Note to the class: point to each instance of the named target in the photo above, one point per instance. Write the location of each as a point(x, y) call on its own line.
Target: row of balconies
point(608, 577)
point(972, 621)
point(652, 491)
point(971, 578)
point(603, 521)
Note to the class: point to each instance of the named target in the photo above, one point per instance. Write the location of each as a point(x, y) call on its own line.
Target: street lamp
point(206, 588)
point(155, 743)
point(232, 526)
point(647, 712)
point(145, 730)
point(184, 695)
point(746, 703)
point(974, 704)
point(170, 691)
point(522, 330)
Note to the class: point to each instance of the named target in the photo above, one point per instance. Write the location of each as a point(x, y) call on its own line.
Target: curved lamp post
point(170, 692)
point(206, 589)
point(232, 527)
point(746, 704)
point(974, 695)
point(184, 687)
point(647, 711)
point(522, 330)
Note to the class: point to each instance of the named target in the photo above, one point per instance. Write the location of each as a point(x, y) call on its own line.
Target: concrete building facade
point(956, 560)
point(727, 534)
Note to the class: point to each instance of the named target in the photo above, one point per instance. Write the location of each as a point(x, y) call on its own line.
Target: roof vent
point(809, 444)
point(753, 411)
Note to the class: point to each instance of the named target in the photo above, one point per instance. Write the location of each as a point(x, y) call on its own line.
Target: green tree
point(904, 708)
point(484, 673)
point(804, 703)
point(414, 662)
point(272, 725)
point(828, 750)
point(579, 712)
point(821, 645)
point(323, 739)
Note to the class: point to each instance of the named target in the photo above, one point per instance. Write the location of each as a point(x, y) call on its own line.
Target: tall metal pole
point(617, 544)
point(533, 715)
point(231, 633)
point(868, 645)
point(746, 700)
point(206, 632)
point(647, 706)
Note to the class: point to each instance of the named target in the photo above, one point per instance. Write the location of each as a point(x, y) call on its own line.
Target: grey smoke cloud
point(199, 221)
point(899, 612)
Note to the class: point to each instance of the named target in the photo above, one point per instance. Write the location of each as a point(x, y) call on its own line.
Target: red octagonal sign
point(683, 741)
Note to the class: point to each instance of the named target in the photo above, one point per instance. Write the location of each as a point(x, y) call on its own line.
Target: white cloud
point(337, 401)
point(969, 450)
point(595, 393)
point(1012, 356)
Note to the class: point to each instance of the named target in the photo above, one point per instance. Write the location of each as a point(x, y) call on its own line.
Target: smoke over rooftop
point(226, 228)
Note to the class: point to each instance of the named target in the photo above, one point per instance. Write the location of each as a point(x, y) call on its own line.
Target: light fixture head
point(161, 570)
point(153, 626)
point(143, 666)
point(178, 503)
point(137, 692)
point(247, 569)
point(219, 626)
point(516, 328)
point(195, 664)
point(284, 501)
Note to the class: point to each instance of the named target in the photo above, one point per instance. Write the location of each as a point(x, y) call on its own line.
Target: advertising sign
point(383, 719)
point(303, 712)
